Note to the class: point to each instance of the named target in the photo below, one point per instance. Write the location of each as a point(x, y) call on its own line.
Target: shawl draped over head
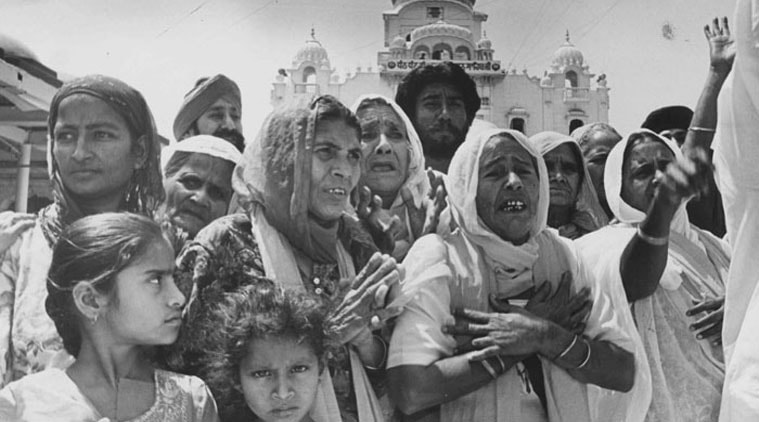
point(273, 180)
point(202, 144)
point(145, 192)
point(201, 98)
point(588, 215)
point(686, 372)
point(416, 181)
point(464, 268)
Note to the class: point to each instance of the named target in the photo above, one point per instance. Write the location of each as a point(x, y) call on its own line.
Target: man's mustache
point(233, 136)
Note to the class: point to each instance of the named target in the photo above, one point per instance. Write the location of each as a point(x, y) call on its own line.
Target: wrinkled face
point(596, 151)
point(564, 174)
point(93, 148)
point(639, 179)
point(335, 169)
point(386, 149)
point(221, 115)
point(507, 189)
point(279, 378)
point(440, 119)
point(146, 305)
point(199, 192)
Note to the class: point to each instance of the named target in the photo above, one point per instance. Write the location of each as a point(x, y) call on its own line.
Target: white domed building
point(419, 32)
point(26, 89)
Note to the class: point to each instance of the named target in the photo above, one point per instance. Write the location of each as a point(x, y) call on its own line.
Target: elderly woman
point(573, 209)
point(596, 140)
point(197, 178)
point(103, 156)
point(297, 179)
point(665, 266)
point(394, 170)
point(531, 363)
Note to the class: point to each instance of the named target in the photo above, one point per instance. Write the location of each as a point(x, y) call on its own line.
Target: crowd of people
point(398, 260)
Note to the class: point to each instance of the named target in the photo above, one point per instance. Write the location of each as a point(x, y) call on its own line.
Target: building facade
point(418, 32)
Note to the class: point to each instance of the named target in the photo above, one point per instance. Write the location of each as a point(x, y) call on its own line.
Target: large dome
point(441, 28)
point(312, 52)
point(14, 48)
point(567, 55)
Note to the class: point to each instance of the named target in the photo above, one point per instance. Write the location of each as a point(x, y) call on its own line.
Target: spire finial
point(484, 33)
point(313, 33)
point(567, 36)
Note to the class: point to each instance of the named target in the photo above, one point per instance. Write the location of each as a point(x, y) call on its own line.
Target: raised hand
point(721, 45)
point(424, 219)
point(12, 224)
point(708, 326)
point(568, 310)
point(384, 227)
point(363, 307)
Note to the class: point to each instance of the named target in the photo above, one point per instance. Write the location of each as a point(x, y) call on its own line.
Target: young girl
point(112, 298)
point(269, 354)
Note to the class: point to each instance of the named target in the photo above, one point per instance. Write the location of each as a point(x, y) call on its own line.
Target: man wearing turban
point(212, 107)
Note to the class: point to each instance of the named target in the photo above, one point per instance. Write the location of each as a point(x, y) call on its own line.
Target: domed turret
point(484, 43)
point(398, 43)
point(311, 52)
point(567, 55)
point(441, 28)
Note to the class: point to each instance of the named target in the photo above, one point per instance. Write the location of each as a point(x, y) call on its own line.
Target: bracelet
point(568, 348)
point(701, 129)
point(651, 240)
point(502, 363)
point(384, 354)
point(488, 367)
point(587, 358)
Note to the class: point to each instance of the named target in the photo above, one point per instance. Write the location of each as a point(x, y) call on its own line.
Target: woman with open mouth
point(394, 169)
point(671, 272)
point(103, 156)
point(296, 181)
point(574, 209)
point(535, 337)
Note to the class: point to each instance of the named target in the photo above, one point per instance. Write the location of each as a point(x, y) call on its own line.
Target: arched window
point(462, 53)
point(309, 75)
point(574, 124)
point(517, 123)
point(570, 79)
point(442, 52)
point(422, 53)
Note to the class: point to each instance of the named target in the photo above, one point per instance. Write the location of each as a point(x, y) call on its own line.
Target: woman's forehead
point(88, 106)
point(647, 149)
point(501, 146)
point(378, 112)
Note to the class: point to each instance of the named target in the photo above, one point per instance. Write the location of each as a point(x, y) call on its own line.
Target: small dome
point(398, 42)
point(312, 52)
point(484, 43)
point(14, 48)
point(441, 28)
point(567, 55)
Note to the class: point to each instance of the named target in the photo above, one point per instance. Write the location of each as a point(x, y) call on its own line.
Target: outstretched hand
point(685, 178)
point(721, 45)
point(384, 227)
point(424, 219)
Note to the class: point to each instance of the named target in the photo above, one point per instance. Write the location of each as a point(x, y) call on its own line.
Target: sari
point(588, 216)
point(277, 238)
point(686, 372)
point(416, 181)
point(735, 158)
point(29, 341)
point(462, 269)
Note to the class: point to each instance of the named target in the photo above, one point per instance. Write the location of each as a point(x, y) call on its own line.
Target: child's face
point(279, 378)
point(146, 306)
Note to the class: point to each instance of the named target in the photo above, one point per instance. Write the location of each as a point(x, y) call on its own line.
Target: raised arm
point(721, 57)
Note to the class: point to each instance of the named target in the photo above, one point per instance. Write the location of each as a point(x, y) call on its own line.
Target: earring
point(94, 319)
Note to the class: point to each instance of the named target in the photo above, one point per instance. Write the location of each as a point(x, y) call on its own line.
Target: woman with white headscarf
point(574, 209)
point(517, 352)
point(662, 265)
point(197, 178)
point(394, 170)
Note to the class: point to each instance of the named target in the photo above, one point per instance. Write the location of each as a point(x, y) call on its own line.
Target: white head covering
point(613, 185)
point(463, 177)
point(202, 144)
point(416, 179)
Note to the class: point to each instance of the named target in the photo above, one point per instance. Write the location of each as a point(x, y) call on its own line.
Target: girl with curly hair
point(113, 300)
point(269, 354)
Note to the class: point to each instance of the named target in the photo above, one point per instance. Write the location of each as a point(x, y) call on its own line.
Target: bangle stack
point(651, 240)
point(587, 358)
point(571, 346)
point(384, 354)
point(488, 367)
point(701, 129)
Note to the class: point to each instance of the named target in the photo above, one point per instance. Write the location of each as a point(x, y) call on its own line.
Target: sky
point(653, 51)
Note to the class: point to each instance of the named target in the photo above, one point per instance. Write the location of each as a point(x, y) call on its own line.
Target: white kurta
point(736, 156)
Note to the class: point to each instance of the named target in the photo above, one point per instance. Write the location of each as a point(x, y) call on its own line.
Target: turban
point(201, 98)
point(671, 117)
